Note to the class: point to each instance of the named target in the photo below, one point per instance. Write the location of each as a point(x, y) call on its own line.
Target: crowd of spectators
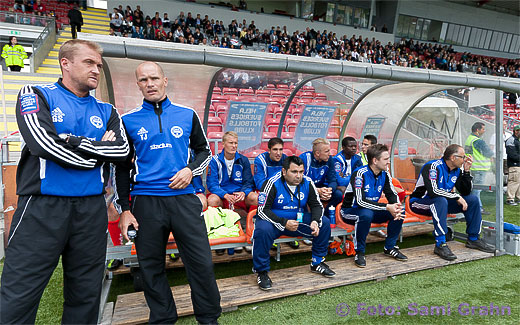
point(37, 12)
point(197, 30)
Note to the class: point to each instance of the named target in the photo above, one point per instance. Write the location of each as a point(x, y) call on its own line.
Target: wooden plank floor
point(285, 249)
point(132, 308)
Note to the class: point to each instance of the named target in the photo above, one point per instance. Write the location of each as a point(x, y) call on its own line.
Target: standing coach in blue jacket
point(161, 135)
point(319, 166)
point(69, 136)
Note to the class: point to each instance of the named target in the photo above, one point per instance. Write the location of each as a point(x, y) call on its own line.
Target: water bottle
point(231, 251)
point(332, 216)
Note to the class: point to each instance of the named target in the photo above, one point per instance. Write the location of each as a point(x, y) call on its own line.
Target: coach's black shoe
point(444, 252)
point(220, 251)
point(264, 281)
point(294, 244)
point(395, 253)
point(359, 260)
point(323, 269)
point(480, 245)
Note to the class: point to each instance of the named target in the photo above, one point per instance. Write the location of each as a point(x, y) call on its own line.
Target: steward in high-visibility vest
point(14, 54)
point(480, 152)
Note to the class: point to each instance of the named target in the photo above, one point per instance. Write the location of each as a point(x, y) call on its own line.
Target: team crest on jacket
point(261, 198)
point(29, 104)
point(454, 179)
point(96, 121)
point(176, 131)
point(301, 196)
point(238, 174)
point(57, 115)
point(433, 174)
point(359, 182)
point(143, 133)
point(337, 167)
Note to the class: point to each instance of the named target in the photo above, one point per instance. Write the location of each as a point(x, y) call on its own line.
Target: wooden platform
point(285, 249)
point(242, 290)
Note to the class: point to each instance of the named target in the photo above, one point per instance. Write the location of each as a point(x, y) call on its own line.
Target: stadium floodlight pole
point(499, 172)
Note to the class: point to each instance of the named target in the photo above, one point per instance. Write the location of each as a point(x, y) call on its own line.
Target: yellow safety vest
point(14, 55)
point(480, 162)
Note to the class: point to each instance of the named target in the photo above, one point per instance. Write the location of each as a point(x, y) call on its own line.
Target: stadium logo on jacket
point(96, 121)
point(176, 131)
point(57, 115)
point(143, 133)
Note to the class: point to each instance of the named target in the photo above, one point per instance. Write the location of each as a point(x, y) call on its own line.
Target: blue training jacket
point(63, 154)
point(277, 203)
point(220, 183)
point(436, 179)
point(162, 136)
point(344, 167)
point(365, 188)
point(265, 168)
point(321, 172)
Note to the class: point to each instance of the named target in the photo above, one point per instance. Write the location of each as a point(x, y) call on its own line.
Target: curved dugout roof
point(192, 72)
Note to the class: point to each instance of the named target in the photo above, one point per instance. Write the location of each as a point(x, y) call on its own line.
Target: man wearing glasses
point(282, 203)
point(434, 195)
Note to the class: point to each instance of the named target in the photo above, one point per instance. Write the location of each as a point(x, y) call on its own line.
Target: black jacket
point(513, 151)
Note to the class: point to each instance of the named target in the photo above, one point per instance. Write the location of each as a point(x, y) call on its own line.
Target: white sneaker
point(238, 249)
point(307, 242)
point(248, 249)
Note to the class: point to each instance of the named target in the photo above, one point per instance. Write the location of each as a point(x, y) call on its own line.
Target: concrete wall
point(460, 14)
point(262, 21)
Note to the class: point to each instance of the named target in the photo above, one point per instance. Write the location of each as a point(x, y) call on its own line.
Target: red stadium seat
point(217, 91)
point(278, 93)
point(230, 91)
point(282, 86)
point(288, 151)
point(263, 93)
point(270, 87)
point(246, 92)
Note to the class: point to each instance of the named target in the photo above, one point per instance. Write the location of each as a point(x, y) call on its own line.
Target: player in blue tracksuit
point(361, 203)
point(69, 138)
point(281, 202)
point(319, 166)
point(270, 162)
point(162, 136)
point(434, 196)
point(230, 180)
point(346, 161)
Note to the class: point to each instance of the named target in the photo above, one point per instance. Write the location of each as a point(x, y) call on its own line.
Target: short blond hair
point(69, 48)
point(317, 142)
point(229, 134)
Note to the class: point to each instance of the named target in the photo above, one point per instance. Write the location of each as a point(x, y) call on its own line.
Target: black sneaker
point(264, 281)
point(220, 251)
point(323, 269)
point(511, 202)
point(444, 252)
point(294, 244)
point(359, 260)
point(114, 264)
point(480, 245)
point(395, 253)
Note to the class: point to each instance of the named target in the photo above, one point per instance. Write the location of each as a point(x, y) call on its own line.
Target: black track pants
point(43, 228)
point(182, 215)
